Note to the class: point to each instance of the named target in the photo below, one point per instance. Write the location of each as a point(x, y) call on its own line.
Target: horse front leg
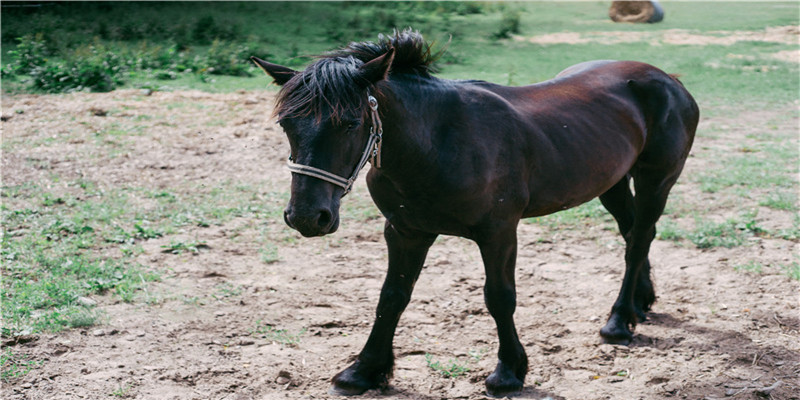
point(373, 367)
point(499, 253)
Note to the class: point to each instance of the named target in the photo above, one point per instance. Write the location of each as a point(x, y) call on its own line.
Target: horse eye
point(351, 125)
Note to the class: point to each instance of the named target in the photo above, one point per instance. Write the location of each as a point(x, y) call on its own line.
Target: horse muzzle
point(312, 223)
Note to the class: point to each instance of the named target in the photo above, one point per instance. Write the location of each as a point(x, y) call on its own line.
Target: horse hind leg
point(652, 188)
point(619, 202)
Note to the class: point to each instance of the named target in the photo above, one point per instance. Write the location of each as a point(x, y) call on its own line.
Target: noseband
point(372, 153)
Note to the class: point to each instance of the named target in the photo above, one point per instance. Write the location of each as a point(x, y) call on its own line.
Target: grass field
point(67, 239)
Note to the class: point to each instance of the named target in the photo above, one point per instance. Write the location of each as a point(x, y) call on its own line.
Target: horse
point(471, 158)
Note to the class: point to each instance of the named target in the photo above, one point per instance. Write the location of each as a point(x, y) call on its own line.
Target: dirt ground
point(714, 332)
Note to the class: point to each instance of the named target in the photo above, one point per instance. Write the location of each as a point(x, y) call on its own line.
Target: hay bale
point(636, 11)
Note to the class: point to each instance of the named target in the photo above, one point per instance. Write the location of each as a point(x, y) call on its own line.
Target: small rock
point(284, 377)
point(98, 332)
point(146, 92)
point(26, 385)
point(219, 313)
point(765, 391)
point(246, 342)
point(86, 302)
point(594, 318)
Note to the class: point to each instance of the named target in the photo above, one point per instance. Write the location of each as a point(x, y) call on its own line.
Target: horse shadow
point(741, 349)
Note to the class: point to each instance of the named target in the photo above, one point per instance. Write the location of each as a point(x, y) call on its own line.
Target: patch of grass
point(178, 247)
point(269, 254)
point(451, 369)
point(122, 391)
point(60, 246)
point(792, 270)
point(281, 336)
point(780, 200)
point(733, 232)
point(747, 171)
point(226, 290)
point(750, 266)
point(15, 365)
point(591, 213)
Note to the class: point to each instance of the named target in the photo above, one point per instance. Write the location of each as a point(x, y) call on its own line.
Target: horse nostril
point(286, 219)
point(324, 218)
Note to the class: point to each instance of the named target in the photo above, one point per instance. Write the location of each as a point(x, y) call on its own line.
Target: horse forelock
point(329, 85)
point(333, 83)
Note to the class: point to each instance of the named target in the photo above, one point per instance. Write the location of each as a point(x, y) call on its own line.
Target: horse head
point(330, 118)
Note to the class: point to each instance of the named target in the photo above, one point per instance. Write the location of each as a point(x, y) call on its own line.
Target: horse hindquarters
point(671, 116)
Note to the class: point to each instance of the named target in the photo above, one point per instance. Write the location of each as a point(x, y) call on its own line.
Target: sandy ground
point(714, 332)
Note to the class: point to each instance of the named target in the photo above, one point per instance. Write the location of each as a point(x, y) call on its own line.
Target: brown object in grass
point(635, 11)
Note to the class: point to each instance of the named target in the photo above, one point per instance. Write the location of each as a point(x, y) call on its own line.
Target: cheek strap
point(372, 152)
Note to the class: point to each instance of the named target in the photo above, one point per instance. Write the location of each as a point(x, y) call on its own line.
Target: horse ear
point(377, 69)
point(279, 73)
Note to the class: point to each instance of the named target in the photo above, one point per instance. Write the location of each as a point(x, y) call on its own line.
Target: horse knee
point(500, 300)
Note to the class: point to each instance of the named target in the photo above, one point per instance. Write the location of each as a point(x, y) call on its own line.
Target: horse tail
point(671, 114)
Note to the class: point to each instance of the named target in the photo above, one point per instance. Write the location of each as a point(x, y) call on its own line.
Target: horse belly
point(577, 174)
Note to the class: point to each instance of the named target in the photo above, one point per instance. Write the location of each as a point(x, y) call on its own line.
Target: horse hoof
point(352, 381)
point(345, 391)
point(615, 335)
point(499, 386)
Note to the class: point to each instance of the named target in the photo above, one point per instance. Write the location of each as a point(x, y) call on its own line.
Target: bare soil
point(714, 332)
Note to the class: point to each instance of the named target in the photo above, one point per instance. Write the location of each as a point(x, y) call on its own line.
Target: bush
point(95, 68)
point(508, 25)
point(30, 53)
point(224, 58)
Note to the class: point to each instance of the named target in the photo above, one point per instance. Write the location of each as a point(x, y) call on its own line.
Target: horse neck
point(408, 114)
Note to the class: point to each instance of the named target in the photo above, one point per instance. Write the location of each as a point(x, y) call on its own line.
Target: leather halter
point(372, 153)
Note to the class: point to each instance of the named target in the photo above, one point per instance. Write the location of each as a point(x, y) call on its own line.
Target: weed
point(452, 369)
point(178, 247)
point(14, 365)
point(122, 390)
point(269, 254)
point(780, 200)
point(751, 266)
point(280, 336)
point(791, 270)
point(225, 290)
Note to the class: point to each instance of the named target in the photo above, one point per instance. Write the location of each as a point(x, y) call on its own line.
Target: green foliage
point(509, 24)
point(225, 58)
point(281, 336)
point(31, 52)
point(452, 369)
point(15, 365)
point(93, 68)
point(733, 232)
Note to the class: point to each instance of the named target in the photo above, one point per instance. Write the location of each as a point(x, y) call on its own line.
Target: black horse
point(471, 158)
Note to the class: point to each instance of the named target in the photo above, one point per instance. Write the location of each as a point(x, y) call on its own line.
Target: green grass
point(84, 241)
point(283, 337)
point(791, 270)
point(591, 213)
point(732, 232)
point(451, 369)
point(14, 365)
point(285, 32)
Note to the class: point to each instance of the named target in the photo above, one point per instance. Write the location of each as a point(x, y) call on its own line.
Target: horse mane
point(333, 80)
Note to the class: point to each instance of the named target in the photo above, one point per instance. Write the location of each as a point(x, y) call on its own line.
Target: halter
point(372, 153)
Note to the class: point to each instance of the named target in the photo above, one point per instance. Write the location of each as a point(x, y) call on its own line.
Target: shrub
point(95, 68)
point(224, 58)
point(508, 24)
point(30, 53)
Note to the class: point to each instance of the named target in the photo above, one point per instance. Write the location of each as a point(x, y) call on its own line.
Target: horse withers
point(472, 158)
